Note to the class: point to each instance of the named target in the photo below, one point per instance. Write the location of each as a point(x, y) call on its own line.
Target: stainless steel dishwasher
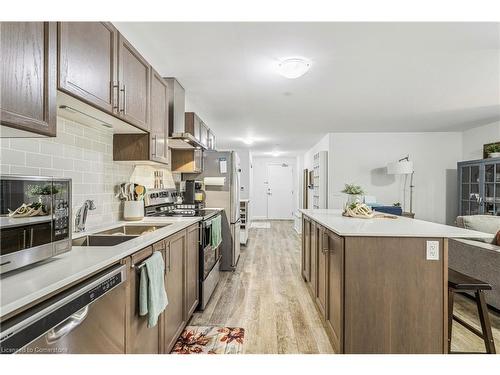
point(88, 318)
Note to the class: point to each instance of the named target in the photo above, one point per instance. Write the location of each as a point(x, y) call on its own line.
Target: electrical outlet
point(432, 250)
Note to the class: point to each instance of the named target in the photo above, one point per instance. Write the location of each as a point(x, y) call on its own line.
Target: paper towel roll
point(214, 181)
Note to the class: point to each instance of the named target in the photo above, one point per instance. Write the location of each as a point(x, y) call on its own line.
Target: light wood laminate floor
point(267, 296)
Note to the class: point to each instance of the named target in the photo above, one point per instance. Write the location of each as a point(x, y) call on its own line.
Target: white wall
point(362, 158)
point(474, 139)
point(259, 184)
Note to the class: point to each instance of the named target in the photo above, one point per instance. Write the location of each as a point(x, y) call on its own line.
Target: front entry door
point(279, 191)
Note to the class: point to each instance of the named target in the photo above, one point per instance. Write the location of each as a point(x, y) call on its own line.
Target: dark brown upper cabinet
point(193, 125)
point(88, 62)
point(134, 77)
point(204, 134)
point(28, 78)
point(151, 146)
point(159, 119)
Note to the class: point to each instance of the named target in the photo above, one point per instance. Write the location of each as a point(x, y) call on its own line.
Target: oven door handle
point(58, 332)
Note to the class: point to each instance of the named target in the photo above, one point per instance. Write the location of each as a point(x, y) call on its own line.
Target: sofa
point(478, 258)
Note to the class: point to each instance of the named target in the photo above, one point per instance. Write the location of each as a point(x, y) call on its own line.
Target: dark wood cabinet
point(322, 290)
point(187, 161)
point(313, 278)
point(211, 140)
point(134, 79)
point(306, 248)
point(88, 62)
point(335, 275)
point(28, 77)
point(204, 134)
point(192, 270)
point(192, 125)
point(140, 339)
point(159, 119)
point(174, 315)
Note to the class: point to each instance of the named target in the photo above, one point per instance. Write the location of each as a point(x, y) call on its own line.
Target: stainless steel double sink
point(116, 236)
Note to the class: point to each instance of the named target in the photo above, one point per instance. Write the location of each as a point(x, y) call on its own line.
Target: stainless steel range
point(161, 204)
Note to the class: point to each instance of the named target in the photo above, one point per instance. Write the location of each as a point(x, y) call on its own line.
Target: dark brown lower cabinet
point(322, 291)
point(335, 297)
point(306, 248)
point(377, 294)
point(174, 317)
point(192, 270)
point(140, 338)
point(313, 278)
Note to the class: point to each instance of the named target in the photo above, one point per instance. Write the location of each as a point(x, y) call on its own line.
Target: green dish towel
point(216, 232)
point(152, 295)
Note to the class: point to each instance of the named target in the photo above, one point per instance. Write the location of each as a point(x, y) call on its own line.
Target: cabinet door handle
point(168, 249)
point(115, 88)
point(123, 109)
point(154, 146)
point(326, 248)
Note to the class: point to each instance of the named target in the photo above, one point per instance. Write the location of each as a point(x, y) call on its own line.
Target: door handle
point(57, 333)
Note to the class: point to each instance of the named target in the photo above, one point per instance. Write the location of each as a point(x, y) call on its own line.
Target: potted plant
point(354, 193)
point(493, 150)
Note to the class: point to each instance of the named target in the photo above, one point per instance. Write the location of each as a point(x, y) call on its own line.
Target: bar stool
point(460, 283)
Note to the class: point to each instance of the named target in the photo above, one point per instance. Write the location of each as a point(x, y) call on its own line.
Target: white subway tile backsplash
point(38, 160)
point(78, 152)
point(25, 144)
point(82, 142)
point(25, 171)
point(62, 163)
point(51, 148)
point(13, 157)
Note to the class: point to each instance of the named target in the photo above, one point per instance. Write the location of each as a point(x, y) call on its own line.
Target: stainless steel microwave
point(35, 219)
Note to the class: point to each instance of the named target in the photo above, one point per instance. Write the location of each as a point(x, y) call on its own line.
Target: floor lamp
point(403, 167)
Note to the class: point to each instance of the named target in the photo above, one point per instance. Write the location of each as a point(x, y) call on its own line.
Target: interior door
point(279, 191)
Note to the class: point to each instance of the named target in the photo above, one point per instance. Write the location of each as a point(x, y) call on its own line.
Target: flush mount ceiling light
point(293, 67)
point(248, 141)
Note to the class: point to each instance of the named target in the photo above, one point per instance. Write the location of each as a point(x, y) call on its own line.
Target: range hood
point(179, 137)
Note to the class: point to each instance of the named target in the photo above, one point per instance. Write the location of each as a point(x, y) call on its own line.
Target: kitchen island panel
point(394, 296)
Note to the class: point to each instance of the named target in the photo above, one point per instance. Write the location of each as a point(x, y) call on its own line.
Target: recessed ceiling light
point(275, 153)
point(293, 67)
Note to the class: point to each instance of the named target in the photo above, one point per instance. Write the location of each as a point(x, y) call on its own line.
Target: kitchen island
point(379, 284)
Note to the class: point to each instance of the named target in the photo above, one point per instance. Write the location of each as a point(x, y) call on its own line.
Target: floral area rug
point(210, 340)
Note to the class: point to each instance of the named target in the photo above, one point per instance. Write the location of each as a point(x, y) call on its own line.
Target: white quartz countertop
point(385, 227)
point(20, 288)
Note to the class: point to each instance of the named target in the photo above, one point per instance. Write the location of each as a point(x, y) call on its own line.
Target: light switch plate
point(432, 250)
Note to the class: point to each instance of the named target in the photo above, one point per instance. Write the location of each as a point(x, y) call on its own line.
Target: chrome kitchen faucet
point(81, 215)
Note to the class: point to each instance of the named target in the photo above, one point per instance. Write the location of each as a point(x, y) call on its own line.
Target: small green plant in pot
point(354, 193)
point(493, 150)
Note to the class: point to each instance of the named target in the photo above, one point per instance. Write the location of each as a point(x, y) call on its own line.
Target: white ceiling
point(365, 77)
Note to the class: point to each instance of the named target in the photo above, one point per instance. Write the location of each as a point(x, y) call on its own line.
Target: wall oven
point(42, 229)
